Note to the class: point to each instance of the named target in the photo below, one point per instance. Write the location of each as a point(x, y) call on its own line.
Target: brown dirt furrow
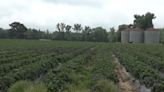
point(125, 82)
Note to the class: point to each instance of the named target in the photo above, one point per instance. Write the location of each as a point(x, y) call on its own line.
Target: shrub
point(20, 86)
point(158, 87)
point(75, 88)
point(37, 88)
point(105, 86)
point(27, 86)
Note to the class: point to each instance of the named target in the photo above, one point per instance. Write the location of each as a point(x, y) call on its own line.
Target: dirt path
point(125, 82)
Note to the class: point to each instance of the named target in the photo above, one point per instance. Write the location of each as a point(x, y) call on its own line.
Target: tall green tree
point(100, 34)
point(58, 27)
point(68, 28)
point(47, 34)
point(77, 28)
point(60, 34)
point(17, 30)
point(144, 21)
point(68, 32)
point(112, 35)
point(3, 33)
point(61, 27)
point(86, 33)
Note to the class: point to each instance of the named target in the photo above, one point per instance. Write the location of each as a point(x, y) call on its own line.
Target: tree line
point(63, 32)
point(77, 32)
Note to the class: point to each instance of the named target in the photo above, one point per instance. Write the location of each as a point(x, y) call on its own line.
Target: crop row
point(82, 72)
point(60, 77)
point(29, 54)
point(5, 68)
point(35, 70)
point(142, 66)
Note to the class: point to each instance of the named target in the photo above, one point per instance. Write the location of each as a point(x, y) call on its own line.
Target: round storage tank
point(125, 36)
point(152, 36)
point(137, 36)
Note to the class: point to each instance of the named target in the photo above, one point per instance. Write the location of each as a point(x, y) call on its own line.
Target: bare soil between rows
point(125, 82)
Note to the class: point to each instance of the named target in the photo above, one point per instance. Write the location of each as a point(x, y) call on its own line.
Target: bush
point(27, 86)
point(75, 88)
point(37, 88)
point(158, 87)
point(19, 86)
point(105, 86)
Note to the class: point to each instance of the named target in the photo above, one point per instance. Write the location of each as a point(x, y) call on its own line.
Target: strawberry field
point(79, 66)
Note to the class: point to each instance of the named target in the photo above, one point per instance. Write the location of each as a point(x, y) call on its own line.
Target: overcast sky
point(45, 14)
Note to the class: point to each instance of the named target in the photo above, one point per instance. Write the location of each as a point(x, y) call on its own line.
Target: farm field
point(67, 66)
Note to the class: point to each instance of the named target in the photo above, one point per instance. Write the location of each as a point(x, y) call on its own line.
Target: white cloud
point(45, 14)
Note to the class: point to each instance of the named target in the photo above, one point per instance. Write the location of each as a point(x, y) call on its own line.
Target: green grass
point(27, 86)
point(105, 85)
point(17, 43)
point(20, 86)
